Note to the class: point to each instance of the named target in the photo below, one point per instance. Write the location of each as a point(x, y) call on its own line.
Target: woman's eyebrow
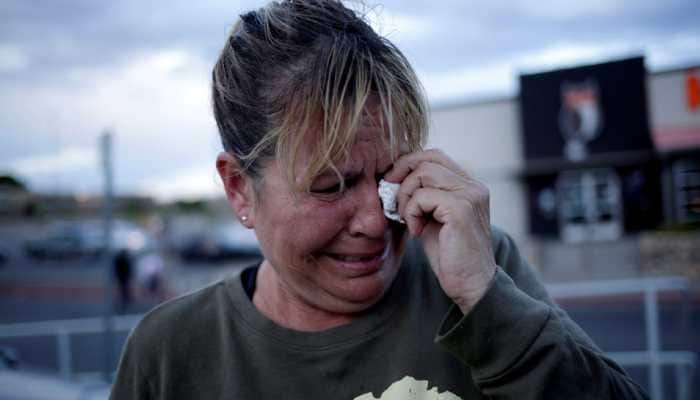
point(331, 174)
point(349, 170)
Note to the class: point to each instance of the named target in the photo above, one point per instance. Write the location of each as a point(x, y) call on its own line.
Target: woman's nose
point(368, 218)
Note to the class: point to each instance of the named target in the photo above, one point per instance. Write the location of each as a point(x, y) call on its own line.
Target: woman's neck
point(280, 304)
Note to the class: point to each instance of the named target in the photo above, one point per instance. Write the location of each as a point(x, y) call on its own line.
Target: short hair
point(297, 75)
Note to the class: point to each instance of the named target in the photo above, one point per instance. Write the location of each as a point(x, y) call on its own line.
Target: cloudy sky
point(72, 69)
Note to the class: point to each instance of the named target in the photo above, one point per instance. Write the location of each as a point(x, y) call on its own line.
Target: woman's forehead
point(368, 152)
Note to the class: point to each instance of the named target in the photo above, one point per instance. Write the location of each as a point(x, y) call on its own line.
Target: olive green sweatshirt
point(413, 344)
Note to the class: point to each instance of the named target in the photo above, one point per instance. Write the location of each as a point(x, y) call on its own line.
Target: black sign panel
point(575, 115)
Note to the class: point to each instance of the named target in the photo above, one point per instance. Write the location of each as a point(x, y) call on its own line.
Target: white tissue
point(387, 193)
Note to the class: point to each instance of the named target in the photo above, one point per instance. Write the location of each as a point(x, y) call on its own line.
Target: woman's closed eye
point(334, 188)
point(327, 190)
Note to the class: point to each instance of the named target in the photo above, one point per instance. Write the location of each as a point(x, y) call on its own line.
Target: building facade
point(583, 161)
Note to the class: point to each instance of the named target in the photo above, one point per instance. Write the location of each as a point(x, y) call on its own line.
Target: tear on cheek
point(387, 194)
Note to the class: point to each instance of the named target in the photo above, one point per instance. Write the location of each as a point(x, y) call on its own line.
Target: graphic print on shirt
point(409, 388)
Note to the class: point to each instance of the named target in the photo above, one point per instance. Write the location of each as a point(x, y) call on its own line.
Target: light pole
point(108, 258)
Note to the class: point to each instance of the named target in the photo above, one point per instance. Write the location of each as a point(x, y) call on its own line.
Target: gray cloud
point(68, 69)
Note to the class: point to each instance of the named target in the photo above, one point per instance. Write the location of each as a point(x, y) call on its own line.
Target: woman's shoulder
point(506, 251)
point(184, 316)
point(500, 238)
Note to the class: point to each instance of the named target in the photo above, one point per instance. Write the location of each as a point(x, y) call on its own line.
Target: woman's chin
point(364, 287)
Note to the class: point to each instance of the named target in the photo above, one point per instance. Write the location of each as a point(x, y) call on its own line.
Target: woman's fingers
point(407, 163)
point(431, 205)
point(427, 175)
point(466, 205)
point(418, 210)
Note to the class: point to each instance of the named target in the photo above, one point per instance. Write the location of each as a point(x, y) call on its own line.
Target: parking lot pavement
point(85, 278)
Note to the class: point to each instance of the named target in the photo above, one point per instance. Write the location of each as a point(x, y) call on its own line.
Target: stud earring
point(244, 218)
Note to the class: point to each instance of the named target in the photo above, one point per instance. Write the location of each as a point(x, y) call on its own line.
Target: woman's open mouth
point(349, 258)
point(359, 262)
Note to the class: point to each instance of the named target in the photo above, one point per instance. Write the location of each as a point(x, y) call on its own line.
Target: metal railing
point(62, 329)
point(652, 357)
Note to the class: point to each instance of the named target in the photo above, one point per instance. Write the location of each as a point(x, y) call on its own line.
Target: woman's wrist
point(475, 290)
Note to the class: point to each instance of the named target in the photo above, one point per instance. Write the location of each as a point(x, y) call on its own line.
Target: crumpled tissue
point(387, 193)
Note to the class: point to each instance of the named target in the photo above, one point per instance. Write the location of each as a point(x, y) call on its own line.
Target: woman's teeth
point(345, 258)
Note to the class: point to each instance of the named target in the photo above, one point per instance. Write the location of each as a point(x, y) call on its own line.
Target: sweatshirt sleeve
point(130, 381)
point(519, 344)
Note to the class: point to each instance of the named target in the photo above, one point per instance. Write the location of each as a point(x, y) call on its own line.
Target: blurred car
point(221, 242)
point(20, 384)
point(80, 239)
point(66, 240)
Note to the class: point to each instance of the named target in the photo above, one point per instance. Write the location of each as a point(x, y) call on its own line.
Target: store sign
point(692, 90)
point(580, 117)
point(572, 115)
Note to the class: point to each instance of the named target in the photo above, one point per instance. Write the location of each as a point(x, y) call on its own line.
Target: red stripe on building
point(676, 138)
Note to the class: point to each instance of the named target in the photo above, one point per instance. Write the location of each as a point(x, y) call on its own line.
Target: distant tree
point(11, 182)
point(191, 206)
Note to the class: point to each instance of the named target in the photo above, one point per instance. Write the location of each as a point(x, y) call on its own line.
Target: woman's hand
point(449, 211)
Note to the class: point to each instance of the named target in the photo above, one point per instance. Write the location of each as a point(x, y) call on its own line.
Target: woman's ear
point(239, 188)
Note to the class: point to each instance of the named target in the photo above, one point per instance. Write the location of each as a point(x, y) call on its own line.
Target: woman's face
point(333, 250)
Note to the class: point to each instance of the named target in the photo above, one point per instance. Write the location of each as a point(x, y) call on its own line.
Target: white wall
point(667, 102)
point(485, 139)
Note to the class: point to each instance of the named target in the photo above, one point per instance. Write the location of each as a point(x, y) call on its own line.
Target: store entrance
point(589, 205)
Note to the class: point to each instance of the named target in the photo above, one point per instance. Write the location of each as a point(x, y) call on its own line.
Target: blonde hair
point(297, 77)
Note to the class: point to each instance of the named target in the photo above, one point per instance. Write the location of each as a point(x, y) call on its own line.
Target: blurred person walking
point(123, 272)
point(149, 274)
